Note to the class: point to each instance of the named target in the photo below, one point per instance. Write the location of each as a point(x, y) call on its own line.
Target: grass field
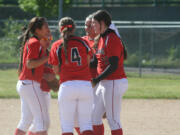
point(149, 86)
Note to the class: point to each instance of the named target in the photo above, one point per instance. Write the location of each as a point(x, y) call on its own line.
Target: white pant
point(76, 124)
point(75, 98)
point(47, 97)
point(34, 108)
point(108, 98)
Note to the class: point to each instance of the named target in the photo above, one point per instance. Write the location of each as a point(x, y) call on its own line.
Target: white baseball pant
point(34, 109)
point(108, 98)
point(75, 98)
point(47, 97)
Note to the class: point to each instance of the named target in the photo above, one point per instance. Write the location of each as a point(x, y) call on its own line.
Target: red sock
point(87, 132)
point(31, 133)
point(78, 130)
point(98, 129)
point(67, 133)
point(117, 132)
point(18, 131)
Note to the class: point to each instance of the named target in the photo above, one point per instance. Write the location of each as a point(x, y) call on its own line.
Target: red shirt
point(77, 67)
point(32, 50)
point(93, 71)
point(110, 45)
point(44, 86)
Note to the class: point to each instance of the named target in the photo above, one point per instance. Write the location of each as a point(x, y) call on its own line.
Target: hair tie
point(65, 26)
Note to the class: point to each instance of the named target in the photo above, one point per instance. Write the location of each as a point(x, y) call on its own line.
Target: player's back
point(75, 66)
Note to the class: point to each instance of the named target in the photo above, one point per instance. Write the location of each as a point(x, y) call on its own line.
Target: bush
point(9, 43)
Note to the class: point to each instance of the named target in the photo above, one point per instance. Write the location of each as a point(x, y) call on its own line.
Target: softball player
point(69, 57)
point(46, 94)
point(111, 77)
point(89, 38)
point(33, 56)
point(48, 76)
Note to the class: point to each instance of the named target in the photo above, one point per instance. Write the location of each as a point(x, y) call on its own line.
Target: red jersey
point(32, 50)
point(77, 67)
point(90, 42)
point(44, 86)
point(110, 45)
point(93, 71)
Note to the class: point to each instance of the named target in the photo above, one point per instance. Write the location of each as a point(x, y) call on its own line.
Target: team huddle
point(91, 81)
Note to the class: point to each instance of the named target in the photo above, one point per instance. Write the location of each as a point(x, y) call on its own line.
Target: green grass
point(149, 86)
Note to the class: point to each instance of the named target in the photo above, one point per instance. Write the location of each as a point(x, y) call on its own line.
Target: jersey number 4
point(75, 57)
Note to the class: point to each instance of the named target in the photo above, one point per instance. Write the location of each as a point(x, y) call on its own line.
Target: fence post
point(140, 52)
point(60, 9)
point(103, 3)
point(152, 49)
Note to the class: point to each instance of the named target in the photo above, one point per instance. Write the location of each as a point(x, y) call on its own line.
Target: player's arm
point(113, 54)
point(33, 63)
point(88, 59)
point(93, 62)
point(56, 69)
point(33, 59)
point(113, 65)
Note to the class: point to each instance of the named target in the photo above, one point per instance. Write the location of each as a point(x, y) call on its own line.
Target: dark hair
point(102, 15)
point(35, 23)
point(125, 50)
point(67, 26)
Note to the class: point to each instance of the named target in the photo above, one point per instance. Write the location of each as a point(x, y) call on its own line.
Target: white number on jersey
point(75, 57)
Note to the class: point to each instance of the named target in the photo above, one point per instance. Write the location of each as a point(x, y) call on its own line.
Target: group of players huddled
point(91, 75)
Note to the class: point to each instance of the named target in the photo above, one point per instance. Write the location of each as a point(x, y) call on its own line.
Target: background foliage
point(48, 8)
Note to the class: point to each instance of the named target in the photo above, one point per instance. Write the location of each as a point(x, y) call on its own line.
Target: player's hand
point(49, 77)
point(94, 82)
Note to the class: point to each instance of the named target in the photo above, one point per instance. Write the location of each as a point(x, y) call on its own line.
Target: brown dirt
point(139, 117)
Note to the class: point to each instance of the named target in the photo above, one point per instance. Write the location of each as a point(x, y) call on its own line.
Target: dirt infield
point(139, 117)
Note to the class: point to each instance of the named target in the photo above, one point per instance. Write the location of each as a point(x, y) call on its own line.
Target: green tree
point(47, 8)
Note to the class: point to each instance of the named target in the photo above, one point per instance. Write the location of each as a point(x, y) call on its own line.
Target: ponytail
point(124, 49)
point(125, 52)
point(96, 41)
point(66, 35)
point(25, 38)
point(67, 27)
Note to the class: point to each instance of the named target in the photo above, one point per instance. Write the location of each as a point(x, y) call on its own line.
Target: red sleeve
point(114, 46)
point(53, 58)
point(33, 50)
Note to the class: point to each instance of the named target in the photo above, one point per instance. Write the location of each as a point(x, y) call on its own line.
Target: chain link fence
point(152, 46)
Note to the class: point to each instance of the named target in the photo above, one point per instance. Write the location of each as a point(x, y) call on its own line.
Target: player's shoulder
point(80, 40)
point(33, 42)
point(112, 36)
point(76, 38)
point(57, 43)
point(85, 37)
point(109, 33)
